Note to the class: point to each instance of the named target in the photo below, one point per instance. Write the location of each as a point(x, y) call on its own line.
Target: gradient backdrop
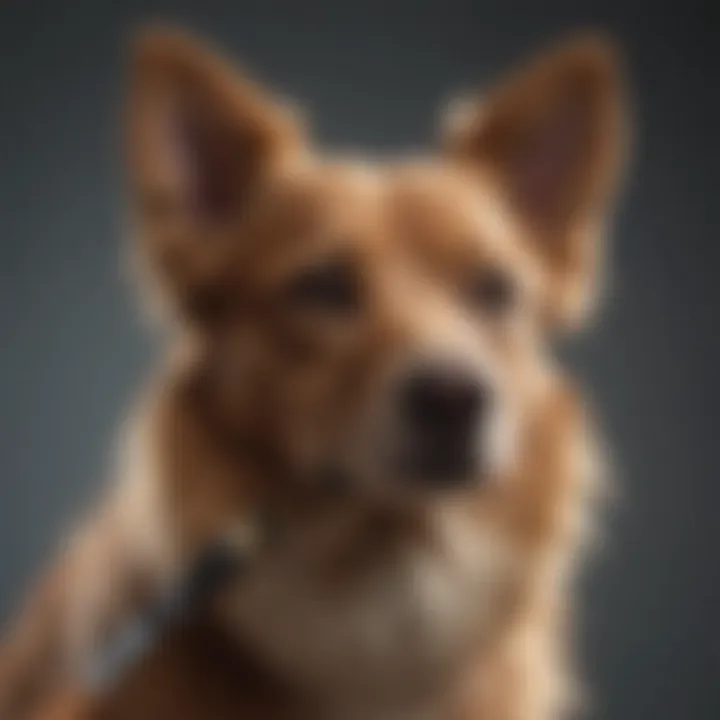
point(72, 350)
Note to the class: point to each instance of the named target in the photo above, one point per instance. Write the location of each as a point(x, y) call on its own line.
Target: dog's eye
point(493, 292)
point(332, 285)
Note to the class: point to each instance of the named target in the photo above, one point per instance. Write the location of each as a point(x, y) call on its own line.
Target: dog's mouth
point(421, 471)
point(438, 464)
point(403, 468)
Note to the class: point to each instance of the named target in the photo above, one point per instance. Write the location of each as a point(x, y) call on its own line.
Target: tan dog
point(381, 329)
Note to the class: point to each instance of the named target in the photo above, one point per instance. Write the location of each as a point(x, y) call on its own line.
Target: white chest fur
point(373, 620)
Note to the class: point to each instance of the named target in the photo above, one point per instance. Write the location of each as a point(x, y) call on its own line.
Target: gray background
point(72, 350)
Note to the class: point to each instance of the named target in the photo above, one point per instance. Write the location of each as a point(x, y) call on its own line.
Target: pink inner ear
point(548, 165)
point(202, 159)
point(177, 149)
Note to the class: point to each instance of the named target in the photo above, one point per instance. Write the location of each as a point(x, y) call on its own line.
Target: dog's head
point(385, 323)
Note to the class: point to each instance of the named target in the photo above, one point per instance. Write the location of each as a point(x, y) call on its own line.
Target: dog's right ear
point(200, 139)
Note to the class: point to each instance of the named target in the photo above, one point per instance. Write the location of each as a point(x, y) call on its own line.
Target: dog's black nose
point(443, 401)
point(443, 409)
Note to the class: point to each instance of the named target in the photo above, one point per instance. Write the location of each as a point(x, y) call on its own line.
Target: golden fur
point(384, 601)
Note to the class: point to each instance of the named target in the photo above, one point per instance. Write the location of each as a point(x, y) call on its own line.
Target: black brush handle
point(215, 569)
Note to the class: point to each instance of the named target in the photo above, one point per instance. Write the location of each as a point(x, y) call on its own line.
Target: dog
point(359, 358)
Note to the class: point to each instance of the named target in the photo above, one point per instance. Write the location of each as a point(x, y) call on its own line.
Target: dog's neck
point(371, 615)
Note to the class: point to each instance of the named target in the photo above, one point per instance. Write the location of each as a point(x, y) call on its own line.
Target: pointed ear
point(200, 140)
point(199, 134)
point(553, 136)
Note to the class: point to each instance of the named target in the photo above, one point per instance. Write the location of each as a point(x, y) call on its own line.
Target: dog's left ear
point(553, 136)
